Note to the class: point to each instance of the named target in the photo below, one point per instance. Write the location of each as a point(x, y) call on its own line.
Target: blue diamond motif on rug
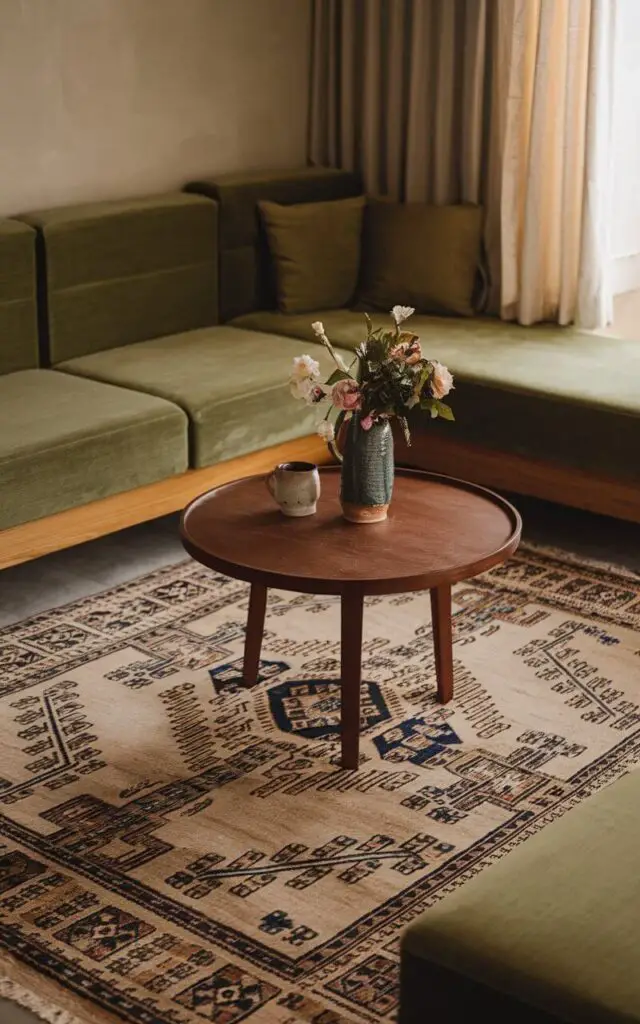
point(415, 740)
point(311, 707)
point(228, 677)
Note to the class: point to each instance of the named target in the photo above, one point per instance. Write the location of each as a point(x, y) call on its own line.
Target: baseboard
point(119, 511)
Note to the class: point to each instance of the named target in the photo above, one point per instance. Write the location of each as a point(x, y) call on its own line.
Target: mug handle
point(336, 446)
point(269, 481)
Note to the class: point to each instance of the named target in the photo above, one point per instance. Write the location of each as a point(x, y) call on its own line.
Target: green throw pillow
point(315, 249)
point(421, 256)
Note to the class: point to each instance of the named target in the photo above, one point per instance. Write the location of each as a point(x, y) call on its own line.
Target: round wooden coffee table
point(439, 531)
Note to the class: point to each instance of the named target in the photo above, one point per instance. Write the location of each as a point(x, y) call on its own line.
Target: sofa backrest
point(246, 282)
point(114, 273)
point(18, 330)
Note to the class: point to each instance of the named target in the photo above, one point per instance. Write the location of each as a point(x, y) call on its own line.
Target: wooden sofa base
point(119, 511)
point(504, 471)
point(534, 477)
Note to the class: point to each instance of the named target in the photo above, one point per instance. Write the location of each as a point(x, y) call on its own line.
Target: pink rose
point(367, 422)
point(408, 351)
point(441, 381)
point(346, 395)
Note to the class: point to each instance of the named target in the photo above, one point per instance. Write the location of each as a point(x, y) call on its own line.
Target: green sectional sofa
point(545, 410)
point(127, 382)
point(142, 359)
point(548, 934)
point(540, 392)
point(66, 441)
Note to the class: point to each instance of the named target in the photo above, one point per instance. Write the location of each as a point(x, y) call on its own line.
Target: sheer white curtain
point(555, 185)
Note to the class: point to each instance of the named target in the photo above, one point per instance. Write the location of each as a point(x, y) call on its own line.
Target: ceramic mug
point(296, 487)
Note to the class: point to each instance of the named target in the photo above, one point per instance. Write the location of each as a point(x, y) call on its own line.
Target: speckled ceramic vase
point(367, 472)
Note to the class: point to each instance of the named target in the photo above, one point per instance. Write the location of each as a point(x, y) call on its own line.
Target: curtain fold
point(500, 102)
point(398, 91)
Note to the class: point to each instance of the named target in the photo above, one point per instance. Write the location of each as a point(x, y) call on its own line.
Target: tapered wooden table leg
point(350, 677)
point(442, 641)
point(255, 629)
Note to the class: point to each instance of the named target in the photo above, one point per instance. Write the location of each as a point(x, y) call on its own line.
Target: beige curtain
point(398, 92)
point(555, 180)
point(502, 102)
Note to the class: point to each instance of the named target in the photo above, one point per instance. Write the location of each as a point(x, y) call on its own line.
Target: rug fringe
point(16, 993)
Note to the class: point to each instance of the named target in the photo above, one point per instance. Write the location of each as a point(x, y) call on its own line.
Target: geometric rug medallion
point(177, 849)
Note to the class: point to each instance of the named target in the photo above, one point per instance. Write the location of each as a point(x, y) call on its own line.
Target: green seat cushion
point(315, 249)
point(65, 441)
point(18, 330)
point(546, 392)
point(121, 272)
point(555, 923)
point(246, 280)
point(421, 256)
point(232, 383)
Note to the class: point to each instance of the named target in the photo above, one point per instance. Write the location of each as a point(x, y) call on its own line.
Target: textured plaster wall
point(108, 98)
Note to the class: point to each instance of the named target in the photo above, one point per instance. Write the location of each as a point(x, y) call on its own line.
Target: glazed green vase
point(367, 471)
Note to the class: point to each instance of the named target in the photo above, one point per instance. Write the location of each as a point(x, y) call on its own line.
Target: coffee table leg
point(442, 641)
point(255, 629)
point(350, 677)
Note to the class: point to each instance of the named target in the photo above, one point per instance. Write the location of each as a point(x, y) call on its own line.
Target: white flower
point(305, 367)
point(401, 313)
point(301, 387)
point(318, 328)
point(326, 431)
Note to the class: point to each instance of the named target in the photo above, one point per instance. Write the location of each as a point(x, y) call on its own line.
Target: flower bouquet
point(388, 377)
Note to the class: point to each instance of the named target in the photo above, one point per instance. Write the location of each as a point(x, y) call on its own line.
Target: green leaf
point(444, 411)
point(338, 375)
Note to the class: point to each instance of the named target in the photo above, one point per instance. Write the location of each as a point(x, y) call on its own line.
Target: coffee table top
point(439, 530)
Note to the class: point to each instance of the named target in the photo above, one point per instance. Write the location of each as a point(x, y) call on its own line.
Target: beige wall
point(108, 98)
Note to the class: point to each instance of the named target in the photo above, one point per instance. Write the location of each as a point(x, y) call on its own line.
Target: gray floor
point(69, 575)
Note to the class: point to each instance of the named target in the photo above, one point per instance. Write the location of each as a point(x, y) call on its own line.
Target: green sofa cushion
point(18, 329)
point(246, 281)
point(230, 382)
point(65, 441)
point(545, 392)
point(121, 272)
point(315, 249)
point(554, 924)
point(421, 256)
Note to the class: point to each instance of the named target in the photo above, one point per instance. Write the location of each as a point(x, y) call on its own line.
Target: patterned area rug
point(178, 850)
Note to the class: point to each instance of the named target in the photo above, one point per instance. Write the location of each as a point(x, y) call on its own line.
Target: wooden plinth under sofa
point(142, 359)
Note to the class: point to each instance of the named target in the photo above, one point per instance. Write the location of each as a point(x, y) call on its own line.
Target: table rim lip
point(365, 587)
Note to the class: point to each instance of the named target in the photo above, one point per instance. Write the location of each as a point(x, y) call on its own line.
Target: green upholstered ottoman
point(551, 932)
